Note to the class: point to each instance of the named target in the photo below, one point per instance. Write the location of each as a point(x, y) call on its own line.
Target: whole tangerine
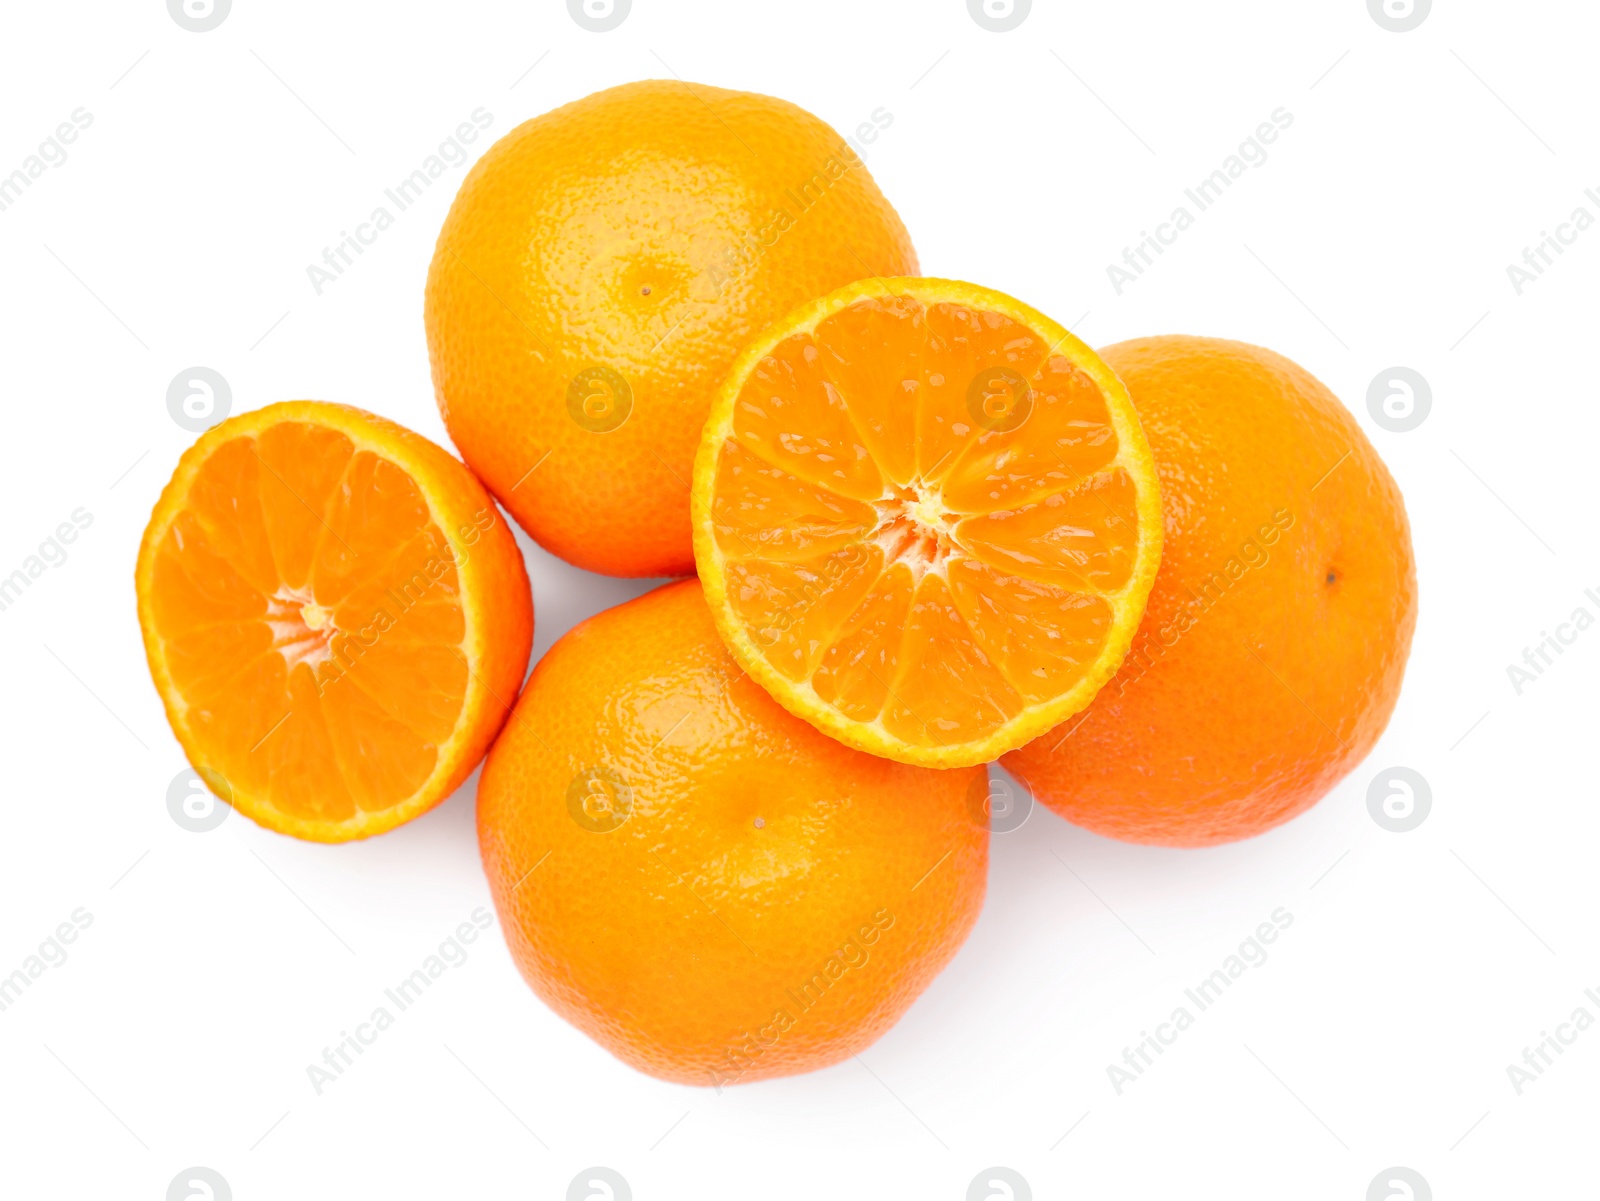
point(1274, 641)
point(600, 269)
point(703, 883)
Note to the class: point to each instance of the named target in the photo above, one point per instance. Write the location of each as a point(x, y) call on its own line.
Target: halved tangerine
point(336, 616)
point(926, 519)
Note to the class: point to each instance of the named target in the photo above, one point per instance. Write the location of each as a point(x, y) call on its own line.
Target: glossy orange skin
point(1275, 638)
point(652, 230)
point(684, 939)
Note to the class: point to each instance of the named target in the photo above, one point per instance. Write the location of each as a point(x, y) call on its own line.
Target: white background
point(1418, 966)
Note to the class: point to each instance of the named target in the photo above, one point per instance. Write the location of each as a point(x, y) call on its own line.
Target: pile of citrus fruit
point(733, 828)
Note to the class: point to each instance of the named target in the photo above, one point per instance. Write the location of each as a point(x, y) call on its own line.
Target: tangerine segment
point(335, 615)
point(926, 519)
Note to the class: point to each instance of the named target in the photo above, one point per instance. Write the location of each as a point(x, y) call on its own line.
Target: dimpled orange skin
point(652, 229)
point(688, 940)
point(1244, 699)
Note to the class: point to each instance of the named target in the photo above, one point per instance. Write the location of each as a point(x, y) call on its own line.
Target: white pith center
point(302, 630)
point(915, 528)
